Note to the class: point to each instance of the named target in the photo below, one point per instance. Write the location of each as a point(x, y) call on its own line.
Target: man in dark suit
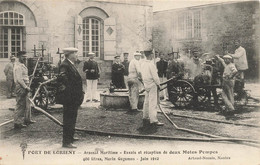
point(72, 96)
point(126, 64)
point(118, 74)
point(162, 67)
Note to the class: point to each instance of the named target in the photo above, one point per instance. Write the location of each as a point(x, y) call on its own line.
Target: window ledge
point(187, 40)
point(4, 60)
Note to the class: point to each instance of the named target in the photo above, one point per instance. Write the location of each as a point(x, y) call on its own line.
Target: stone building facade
point(210, 29)
point(106, 27)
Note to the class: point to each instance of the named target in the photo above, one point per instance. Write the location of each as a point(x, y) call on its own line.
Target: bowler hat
point(21, 53)
point(148, 52)
point(69, 50)
point(117, 56)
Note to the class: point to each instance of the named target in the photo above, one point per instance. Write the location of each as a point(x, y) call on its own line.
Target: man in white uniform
point(133, 81)
point(240, 60)
point(151, 84)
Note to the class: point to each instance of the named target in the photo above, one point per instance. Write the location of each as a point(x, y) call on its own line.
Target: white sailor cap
point(137, 54)
point(227, 56)
point(69, 50)
point(91, 53)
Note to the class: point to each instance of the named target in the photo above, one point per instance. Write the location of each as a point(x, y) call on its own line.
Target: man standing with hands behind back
point(92, 74)
point(72, 95)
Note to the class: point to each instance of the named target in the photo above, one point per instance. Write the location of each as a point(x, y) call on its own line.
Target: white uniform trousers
point(150, 104)
point(91, 89)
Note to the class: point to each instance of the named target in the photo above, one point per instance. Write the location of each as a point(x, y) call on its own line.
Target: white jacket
point(240, 59)
point(149, 74)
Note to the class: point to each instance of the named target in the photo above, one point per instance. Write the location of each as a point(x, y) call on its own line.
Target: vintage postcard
point(129, 82)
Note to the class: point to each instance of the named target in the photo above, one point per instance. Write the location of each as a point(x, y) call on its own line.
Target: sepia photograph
point(156, 82)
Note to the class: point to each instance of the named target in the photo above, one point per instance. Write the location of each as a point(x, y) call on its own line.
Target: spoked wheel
point(41, 100)
point(181, 93)
point(202, 95)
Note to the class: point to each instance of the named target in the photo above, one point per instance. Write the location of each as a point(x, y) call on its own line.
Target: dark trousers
point(70, 113)
point(10, 87)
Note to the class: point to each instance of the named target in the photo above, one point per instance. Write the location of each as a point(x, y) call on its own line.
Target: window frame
point(12, 19)
point(90, 36)
point(15, 21)
point(185, 31)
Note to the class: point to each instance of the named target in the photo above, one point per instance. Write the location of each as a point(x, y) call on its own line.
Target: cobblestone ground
point(46, 134)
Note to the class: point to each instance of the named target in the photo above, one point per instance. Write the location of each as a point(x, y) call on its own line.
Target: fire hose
point(217, 138)
point(213, 138)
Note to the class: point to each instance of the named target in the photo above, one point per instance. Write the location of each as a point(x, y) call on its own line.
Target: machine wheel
point(181, 93)
point(41, 100)
point(202, 95)
point(241, 98)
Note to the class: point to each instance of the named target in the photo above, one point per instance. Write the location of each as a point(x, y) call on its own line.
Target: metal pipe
point(205, 134)
point(7, 122)
point(34, 70)
point(217, 121)
point(184, 129)
point(212, 120)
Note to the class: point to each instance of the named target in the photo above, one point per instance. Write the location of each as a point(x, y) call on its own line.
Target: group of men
point(132, 73)
point(72, 95)
point(137, 74)
point(234, 68)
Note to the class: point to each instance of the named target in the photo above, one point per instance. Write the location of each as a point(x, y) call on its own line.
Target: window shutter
point(109, 38)
point(78, 35)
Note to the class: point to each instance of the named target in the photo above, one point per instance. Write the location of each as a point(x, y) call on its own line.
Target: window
point(197, 25)
point(91, 36)
point(11, 32)
point(189, 25)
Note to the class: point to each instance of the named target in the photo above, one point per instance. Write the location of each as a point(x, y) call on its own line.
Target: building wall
point(54, 25)
point(221, 24)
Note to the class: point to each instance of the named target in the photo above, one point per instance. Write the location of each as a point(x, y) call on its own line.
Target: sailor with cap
point(118, 70)
point(152, 85)
point(10, 77)
point(71, 96)
point(92, 75)
point(22, 113)
point(133, 81)
point(228, 82)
